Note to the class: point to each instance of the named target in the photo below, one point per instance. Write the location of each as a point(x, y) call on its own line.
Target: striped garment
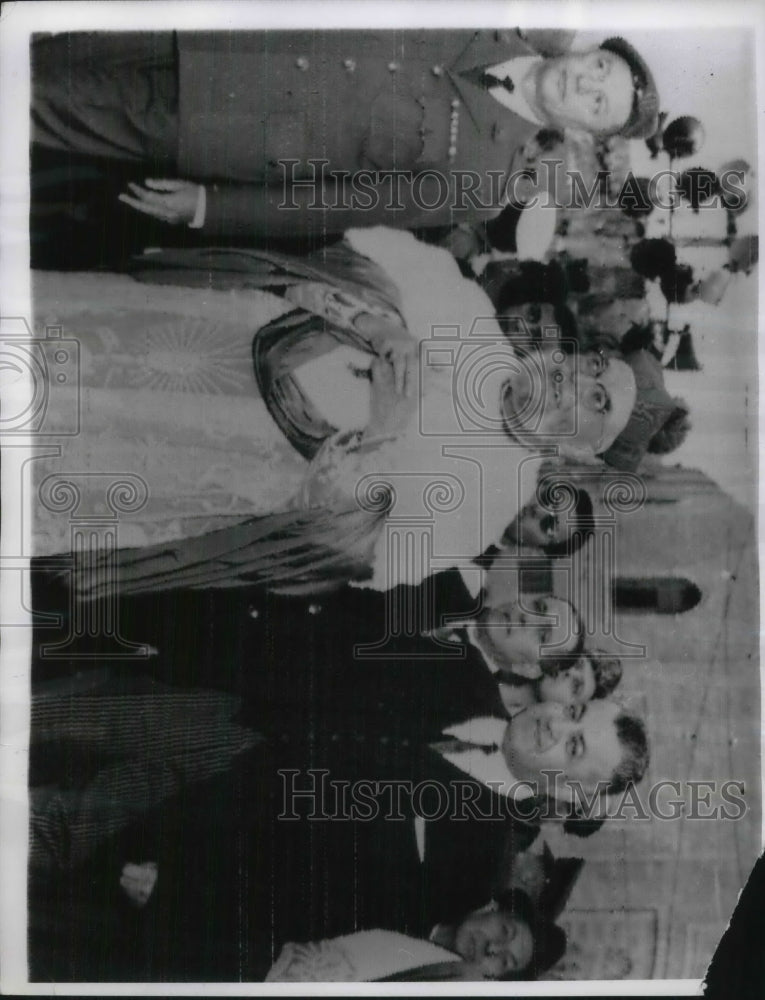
point(148, 741)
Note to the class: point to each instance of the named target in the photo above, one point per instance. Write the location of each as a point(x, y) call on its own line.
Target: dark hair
point(566, 320)
point(549, 945)
point(607, 670)
point(653, 258)
point(548, 138)
point(584, 527)
point(680, 138)
point(549, 939)
point(676, 283)
point(533, 282)
point(500, 231)
point(639, 337)
point(563, 317)
point(632, 736)
point(674, 431)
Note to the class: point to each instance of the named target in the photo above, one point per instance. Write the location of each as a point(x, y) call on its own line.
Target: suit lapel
point(486, 49)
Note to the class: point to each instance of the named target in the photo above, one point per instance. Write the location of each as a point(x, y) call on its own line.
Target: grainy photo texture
point(390, 502)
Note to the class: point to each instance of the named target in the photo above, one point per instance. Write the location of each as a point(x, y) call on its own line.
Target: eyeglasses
point(597, 399)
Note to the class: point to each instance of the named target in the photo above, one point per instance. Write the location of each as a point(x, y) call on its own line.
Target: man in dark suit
point(361, 804)
point(354, 811)
point(268, 646)
point(245, 842)
point(243, 118)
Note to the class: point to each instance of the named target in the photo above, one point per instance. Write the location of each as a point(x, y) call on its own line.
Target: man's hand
point(171, 201)
point(391, 409)
point(396, 347)
point(138, 881)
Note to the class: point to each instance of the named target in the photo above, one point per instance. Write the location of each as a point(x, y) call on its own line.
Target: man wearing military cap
point(256, 121)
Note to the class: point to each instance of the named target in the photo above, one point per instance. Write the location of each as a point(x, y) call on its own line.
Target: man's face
point(574, 686)
point(587, 90)
point(578, 740)
point(495, 943)
point(537, 526)
point(521, 632)
point(585, 399)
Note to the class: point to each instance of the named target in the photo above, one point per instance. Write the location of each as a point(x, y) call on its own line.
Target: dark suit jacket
point(376, 100)
point(236, 638)
point(236, 882)
point(238, 878)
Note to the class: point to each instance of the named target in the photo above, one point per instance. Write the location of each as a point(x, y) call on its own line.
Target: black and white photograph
point(380, 426)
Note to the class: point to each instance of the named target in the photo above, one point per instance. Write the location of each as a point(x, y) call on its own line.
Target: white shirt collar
point(516, 69)
point(489, 768)
point(471, 632)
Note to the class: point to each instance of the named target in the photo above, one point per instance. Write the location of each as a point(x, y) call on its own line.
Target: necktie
point(486, 80)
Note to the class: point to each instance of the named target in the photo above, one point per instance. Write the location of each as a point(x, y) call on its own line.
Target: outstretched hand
point(171, 201)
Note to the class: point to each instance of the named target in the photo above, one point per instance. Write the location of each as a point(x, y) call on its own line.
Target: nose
point(549, 735)
point(558, 726)
point(585, 82)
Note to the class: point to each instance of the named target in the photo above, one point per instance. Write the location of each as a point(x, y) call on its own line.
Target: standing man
point(350, 816)
point(268, 646)
point(303, 133)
